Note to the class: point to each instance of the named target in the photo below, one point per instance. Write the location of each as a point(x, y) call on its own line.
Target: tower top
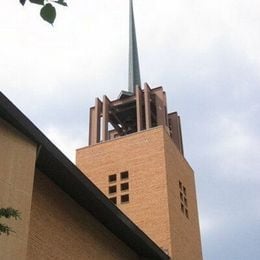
point(133, 69)
point(134, 110)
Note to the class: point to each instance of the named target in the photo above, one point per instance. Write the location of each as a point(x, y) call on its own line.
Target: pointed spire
point(133, 70)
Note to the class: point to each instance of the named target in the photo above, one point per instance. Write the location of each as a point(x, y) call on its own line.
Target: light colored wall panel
point(17, 161)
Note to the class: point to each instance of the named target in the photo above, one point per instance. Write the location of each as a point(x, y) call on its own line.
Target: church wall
point(17, 161)
point(61, 229)
point(142, 155)
point(185, 233)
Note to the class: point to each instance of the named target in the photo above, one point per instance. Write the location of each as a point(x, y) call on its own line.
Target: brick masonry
point(185, 232)
point(61, 229)
point(155, 167)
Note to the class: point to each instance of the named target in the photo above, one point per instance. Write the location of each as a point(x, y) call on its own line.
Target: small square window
point(185, 202)
point(112, 178)
point(181, 196)
point(112, 189)
point(124, 175)
point(184, 190)
point(186, 213)
point(113, 200)
point(125, 198)
point(182, 207)
point(180, 185)
point(124, 186)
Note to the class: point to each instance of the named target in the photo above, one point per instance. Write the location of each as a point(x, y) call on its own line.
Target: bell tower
point(135, 156)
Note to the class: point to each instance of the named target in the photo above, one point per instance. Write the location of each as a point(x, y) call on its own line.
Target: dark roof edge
point(127, 231)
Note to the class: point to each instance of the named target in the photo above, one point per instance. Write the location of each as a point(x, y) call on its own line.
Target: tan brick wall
point(155, 166)
point(61, 229)
point(142, 155)
point(17, 160)
point(185, 233)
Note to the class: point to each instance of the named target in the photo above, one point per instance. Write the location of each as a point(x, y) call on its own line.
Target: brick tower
point(135, 156)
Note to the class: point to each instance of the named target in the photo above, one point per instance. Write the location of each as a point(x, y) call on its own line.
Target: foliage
point(48, 11)
point(8, 213)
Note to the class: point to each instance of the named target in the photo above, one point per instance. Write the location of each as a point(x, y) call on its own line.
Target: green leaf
point(5, 229)
point(38, 2)
point(61, 2)
point(9, 212)
point(48, 13)
point(22, 2)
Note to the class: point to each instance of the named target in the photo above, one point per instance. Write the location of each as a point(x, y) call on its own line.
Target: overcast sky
point(206, 55)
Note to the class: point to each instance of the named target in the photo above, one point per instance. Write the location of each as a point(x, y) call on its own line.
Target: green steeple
point(133, 70)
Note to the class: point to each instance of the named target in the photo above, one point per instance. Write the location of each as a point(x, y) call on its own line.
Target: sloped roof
point(52, 162)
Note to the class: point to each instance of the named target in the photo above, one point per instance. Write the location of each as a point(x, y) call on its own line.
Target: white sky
point(204, 53)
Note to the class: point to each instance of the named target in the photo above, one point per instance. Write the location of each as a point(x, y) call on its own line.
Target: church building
point(135, 156)
point(131, 194)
